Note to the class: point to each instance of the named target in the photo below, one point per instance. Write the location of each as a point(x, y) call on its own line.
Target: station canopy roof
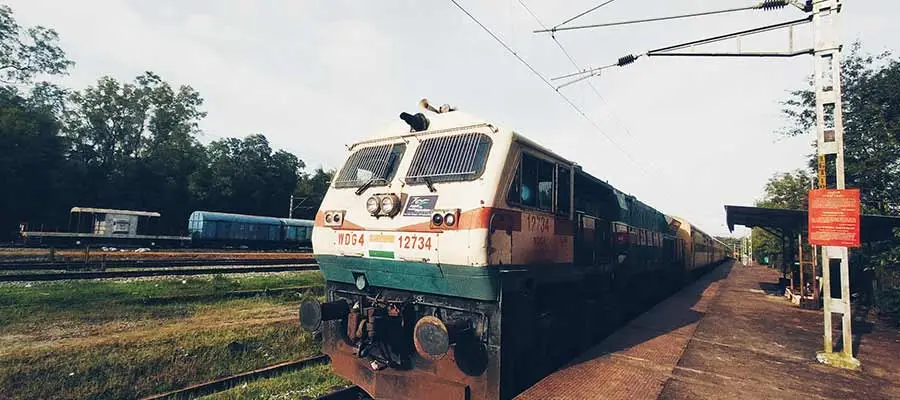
point(873, 228)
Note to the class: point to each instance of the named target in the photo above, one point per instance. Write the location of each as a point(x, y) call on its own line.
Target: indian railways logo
point(420, 206)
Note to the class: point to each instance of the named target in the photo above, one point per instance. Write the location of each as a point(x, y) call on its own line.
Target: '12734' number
point(414, 242)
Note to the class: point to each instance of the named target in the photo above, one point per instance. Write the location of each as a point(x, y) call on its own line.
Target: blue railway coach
point(220, 229)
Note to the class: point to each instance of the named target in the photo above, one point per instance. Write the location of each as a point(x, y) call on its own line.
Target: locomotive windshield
point(449, 158)
point(374, 166)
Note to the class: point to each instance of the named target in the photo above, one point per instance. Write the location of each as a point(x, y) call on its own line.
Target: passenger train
point(464, 261)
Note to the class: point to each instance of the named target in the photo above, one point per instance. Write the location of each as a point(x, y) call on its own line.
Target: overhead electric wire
point(764, 5)
point(575, 64)
point(670, 50)
point(582, 14)
point(548, 83)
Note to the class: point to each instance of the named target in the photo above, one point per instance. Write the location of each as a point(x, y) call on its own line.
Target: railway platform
point(729, 335)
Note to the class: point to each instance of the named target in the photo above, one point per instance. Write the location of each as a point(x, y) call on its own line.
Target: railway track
point(300, 265)
point(237, 294)
point(347, 393)
point(228, 382)
point(161, 263)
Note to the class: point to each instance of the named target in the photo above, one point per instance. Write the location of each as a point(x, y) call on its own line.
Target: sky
point(685, 135)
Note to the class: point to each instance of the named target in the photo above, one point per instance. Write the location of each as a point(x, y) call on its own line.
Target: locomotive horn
point(424, 104)
point(440, 110)
point(312, 313)
point(432, 337)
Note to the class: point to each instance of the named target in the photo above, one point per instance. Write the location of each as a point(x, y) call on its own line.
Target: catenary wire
point(548, 83)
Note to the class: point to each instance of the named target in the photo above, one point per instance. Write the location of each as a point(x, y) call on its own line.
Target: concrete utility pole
point(830, 132)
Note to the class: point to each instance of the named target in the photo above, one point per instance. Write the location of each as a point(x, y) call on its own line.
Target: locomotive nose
point(312, 313)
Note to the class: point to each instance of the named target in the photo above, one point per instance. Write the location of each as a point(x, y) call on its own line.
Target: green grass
point(130, 369)
point(99, 301)
point(304, 384)
point(103, 340)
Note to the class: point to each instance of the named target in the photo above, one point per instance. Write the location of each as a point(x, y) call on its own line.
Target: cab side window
point(533, 183)
point(530, 167)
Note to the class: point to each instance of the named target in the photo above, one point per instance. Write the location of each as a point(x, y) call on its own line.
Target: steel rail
point(58, 276)
point(235, 294)
point(116, 264)
point(347, 393)
point(228, 382)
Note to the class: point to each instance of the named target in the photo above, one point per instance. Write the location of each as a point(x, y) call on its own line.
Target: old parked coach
point(464, 261)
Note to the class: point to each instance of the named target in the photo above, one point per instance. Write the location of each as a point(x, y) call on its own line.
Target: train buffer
point(729, 335)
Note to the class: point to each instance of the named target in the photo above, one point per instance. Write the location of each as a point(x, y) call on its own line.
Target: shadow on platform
point(669, 316)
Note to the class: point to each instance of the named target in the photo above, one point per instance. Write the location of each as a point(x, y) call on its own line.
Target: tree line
point(871, 105)
point(125, 145)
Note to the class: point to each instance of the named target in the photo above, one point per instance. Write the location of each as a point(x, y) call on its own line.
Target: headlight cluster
point(383, 205)
point(334, 218)
point(444, 218)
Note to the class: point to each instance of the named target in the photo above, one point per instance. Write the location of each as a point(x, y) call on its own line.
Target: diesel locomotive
point(465, 261)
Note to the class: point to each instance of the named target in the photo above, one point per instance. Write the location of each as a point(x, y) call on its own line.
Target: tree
point(31, 153)
point(133, 145)
point(787, 191)
point(312, 188)
point(871, 106)
point(784, 191)
point(247, 176)
point(27, 52)
point(31, 160)
point(731, 243)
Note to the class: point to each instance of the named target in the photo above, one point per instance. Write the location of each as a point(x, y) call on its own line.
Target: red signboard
point(834, 217)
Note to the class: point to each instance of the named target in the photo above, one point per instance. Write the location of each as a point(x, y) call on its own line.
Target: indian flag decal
point(382, 245)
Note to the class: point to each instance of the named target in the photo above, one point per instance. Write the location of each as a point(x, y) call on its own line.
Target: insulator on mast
point(623, 61)
point(773, 4)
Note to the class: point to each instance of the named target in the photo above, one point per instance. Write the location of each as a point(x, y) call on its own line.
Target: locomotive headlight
point(437, 219)
point(373, 205)
point(334, 218)
point(390, 205)
point(449, 219)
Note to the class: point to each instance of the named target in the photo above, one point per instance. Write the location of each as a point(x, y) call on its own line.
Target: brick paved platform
point(727, 336)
